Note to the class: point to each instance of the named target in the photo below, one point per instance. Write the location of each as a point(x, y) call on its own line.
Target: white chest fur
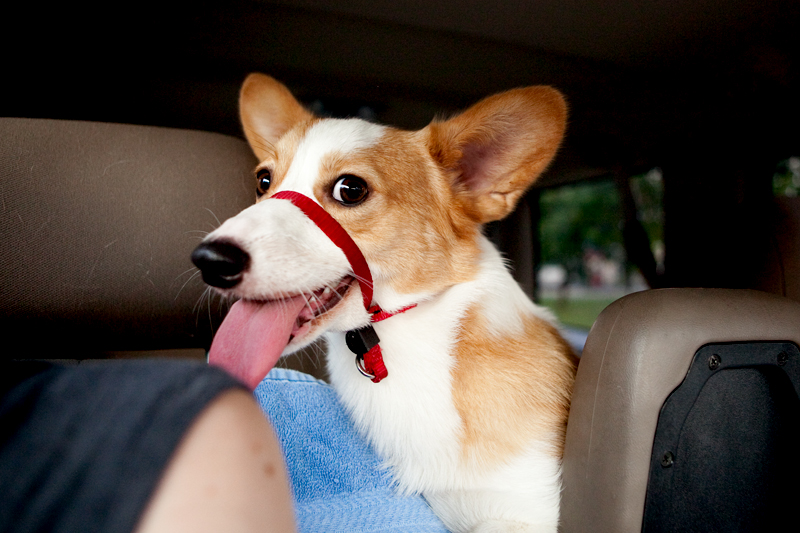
point(410, 417)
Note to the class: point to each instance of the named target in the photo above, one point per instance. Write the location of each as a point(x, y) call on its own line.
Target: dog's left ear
point(267, 110)
point(497, 148)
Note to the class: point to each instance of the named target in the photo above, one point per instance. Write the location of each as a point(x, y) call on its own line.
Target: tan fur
point(431, 245)
point(511, 390)
point(265, 120)
point(498, 147)
point(277, 157)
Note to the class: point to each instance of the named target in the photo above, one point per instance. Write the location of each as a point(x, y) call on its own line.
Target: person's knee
point(226, 475)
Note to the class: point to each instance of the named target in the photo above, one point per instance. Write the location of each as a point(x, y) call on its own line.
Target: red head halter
point(369, 359)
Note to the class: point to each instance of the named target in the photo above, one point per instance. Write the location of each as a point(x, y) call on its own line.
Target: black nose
point(222, 263)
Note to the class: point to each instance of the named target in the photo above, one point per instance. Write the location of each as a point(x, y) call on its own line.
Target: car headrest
point(638, 351)
point(98, 223)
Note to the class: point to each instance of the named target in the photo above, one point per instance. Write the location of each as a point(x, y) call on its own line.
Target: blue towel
point(337, 480)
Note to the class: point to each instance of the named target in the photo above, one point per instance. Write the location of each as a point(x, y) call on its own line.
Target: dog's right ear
point(267, 110)
point(497, 148)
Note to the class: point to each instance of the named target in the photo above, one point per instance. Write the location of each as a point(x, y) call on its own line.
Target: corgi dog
point(471, 408)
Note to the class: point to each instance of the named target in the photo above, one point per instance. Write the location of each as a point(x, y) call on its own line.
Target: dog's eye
point(264, 177)
point(350, 190)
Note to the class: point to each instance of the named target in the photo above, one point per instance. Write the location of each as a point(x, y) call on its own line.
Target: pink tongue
point(253, 336)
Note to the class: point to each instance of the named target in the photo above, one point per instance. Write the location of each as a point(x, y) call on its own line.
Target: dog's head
point(413, 201)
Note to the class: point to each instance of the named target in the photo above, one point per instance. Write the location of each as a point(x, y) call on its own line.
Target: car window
point(583, 265)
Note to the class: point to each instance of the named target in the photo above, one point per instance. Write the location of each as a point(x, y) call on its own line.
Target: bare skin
point(227, 475)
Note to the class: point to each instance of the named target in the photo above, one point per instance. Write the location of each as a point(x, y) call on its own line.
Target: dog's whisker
point(198, 306)
point(194, 271)
point(210, 319)
point(215, 217)
point(362, 280)
point(185, 283)
point(205, 296)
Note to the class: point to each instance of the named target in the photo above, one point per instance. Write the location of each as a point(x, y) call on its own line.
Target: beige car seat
point(98, 223)
point(685, 415)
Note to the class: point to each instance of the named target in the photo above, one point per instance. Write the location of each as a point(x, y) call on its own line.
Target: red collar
point(379, 314)
point(363, 342)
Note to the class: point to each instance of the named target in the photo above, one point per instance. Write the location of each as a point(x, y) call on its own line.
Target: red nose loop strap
point(338, 235)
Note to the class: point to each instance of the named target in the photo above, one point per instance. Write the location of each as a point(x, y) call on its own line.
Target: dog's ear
point(267, 110)
point(497, 148)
